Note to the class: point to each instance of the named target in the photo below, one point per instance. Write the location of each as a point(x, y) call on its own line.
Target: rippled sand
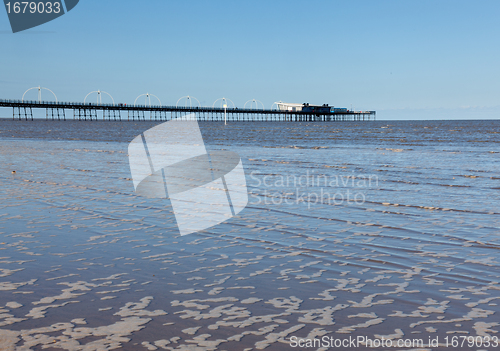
point(85, 264)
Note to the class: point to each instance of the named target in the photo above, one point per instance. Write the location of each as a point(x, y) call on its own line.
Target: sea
point(356, 235)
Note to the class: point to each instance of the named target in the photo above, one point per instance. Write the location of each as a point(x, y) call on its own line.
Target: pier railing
point(56, 110)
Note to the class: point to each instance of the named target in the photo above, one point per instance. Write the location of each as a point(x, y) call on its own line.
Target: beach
point(353, 231)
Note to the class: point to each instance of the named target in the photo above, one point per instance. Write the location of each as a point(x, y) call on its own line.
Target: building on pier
point(289, 107)
point(308, 108)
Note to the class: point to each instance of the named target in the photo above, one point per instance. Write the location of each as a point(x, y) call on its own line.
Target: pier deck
point(23, 110)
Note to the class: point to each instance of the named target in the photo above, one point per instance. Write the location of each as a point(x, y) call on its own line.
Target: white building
point(286, 106)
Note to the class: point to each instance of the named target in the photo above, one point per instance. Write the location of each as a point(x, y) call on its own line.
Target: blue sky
point(405, 59)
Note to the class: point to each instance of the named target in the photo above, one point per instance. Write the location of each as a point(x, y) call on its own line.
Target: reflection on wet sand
point(85, 264)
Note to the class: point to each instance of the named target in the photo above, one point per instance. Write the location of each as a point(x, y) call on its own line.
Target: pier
point(23, 110)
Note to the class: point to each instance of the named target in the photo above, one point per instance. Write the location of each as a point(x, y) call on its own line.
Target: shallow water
point(405, 244)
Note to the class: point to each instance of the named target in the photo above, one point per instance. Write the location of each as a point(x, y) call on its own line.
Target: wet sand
point(85, 264)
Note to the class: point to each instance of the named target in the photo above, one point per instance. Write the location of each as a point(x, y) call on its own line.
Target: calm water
point(387, 228)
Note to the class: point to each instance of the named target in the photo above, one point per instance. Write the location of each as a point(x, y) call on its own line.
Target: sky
point(405, 59)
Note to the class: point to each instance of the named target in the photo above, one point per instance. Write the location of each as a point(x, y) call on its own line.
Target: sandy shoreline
point(87, 265)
